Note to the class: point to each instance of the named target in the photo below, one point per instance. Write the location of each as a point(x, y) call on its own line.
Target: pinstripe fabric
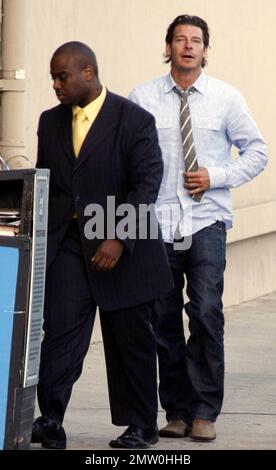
point(102, 168)
point(189, 153)
point(129, 342)
point(119, 156)
point(130, 352)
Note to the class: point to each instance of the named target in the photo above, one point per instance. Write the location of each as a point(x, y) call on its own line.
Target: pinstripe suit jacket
point(120, 157)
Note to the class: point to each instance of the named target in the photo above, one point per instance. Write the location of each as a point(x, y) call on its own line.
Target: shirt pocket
point(167, 130)
point(212, 123)
point(210, 137)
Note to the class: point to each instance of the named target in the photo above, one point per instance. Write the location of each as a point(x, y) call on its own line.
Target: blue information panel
point(9, 258)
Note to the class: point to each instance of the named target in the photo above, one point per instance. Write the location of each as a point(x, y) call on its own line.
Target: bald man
point(114, 153)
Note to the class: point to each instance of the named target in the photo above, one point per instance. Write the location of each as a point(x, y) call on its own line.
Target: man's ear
point(89, 73)
point(168, 51)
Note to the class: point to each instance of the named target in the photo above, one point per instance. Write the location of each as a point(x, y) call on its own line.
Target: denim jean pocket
point(218, 225)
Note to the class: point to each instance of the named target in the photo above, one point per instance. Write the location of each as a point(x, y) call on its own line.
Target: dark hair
point(194, 21)
point(82, 53)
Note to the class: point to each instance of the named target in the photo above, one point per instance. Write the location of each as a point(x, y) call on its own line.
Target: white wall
point(128, 39)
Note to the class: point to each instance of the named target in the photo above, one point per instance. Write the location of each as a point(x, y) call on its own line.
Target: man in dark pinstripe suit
point(119, 156)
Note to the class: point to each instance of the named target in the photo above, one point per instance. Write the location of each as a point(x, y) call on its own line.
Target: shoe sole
point(174, 434)
point(146, 445)
point(60, 445)
point(122, 446)
point(202, 439)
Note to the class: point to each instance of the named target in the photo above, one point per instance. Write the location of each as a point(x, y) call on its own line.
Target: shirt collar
point(92, 107)
point(200, 84)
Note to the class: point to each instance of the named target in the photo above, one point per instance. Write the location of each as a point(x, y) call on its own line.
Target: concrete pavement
point(248, 418)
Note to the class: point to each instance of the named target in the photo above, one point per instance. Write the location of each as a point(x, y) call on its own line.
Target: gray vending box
point(23, 237)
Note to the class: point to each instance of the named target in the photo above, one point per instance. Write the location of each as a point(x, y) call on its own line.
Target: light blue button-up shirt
point(220, 119)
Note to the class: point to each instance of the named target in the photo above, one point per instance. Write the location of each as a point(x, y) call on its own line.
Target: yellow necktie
point(80, 129)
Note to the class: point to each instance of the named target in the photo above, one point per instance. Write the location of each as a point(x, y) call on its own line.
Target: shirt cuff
point(217, 177)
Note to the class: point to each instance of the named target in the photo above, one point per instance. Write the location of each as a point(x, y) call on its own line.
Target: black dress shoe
point(135, 438)
point(48, 433)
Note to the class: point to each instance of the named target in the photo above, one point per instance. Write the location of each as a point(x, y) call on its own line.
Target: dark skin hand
point(107, 255)
point(196, 181)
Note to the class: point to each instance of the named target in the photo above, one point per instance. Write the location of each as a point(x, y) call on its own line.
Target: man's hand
point(107, 255)
point(197, 181)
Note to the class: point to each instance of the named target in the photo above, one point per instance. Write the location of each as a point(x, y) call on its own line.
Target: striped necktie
point(189, 153)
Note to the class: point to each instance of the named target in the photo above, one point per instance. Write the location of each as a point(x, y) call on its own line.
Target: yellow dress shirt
point(83, 119)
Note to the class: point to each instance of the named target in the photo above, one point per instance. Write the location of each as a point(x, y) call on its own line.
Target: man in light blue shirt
point(192, 375)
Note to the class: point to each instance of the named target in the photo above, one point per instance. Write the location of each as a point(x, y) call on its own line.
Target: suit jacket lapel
point(65, 132)
point(103, 125)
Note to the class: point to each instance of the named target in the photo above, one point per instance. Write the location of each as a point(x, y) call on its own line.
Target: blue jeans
point(192, 374)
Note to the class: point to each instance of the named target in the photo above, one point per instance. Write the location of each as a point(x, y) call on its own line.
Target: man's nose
point(56, 84)
point(188, 44)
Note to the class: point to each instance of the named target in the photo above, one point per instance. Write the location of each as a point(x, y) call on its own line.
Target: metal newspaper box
point(23, 237)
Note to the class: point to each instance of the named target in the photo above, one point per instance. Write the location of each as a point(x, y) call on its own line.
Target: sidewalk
point(248, 418)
